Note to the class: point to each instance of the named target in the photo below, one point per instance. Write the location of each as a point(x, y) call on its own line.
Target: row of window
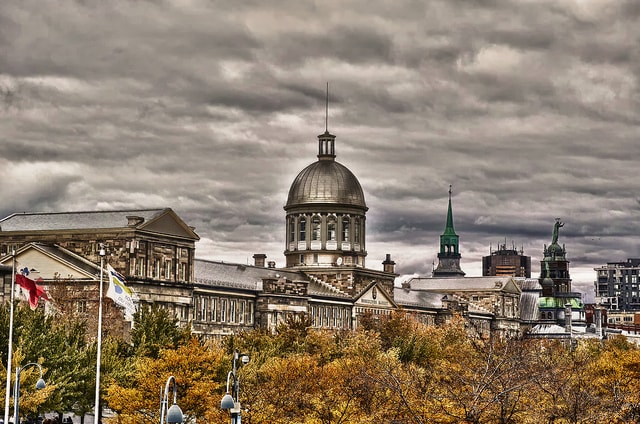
point(330, 316)
point(160, 270)
point(633, 279)
point(224, 310)
point(313, 227)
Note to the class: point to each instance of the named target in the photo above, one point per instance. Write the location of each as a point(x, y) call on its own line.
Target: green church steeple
point(449, 255)
point(448, 229)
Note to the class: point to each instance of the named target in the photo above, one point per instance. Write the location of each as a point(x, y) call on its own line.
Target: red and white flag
point(35, 291)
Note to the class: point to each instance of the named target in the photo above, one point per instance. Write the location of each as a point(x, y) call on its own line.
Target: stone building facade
point(325, 277)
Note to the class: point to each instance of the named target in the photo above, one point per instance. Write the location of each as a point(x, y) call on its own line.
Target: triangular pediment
point(51, 263)
point(511, 287)
point(169, 223)
point(375, 297)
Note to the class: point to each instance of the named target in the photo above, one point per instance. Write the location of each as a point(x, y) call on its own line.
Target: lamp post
point(174, 414)
point(230, 401)
point(16, 388)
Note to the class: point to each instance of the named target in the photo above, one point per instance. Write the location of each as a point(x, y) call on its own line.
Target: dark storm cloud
point(529, 109)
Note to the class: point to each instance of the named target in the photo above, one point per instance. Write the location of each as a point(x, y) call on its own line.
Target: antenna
point(326, 112)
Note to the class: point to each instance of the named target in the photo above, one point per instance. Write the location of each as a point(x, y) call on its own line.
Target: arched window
point(356, 231)
point(303, 229)
point(331, 229)
point(345, 228)
point(315, 228)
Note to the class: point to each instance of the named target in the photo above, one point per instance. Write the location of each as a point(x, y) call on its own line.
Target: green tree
point(155, 328)
point(69, 360)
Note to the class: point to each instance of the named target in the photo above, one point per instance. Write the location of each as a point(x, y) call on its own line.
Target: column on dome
point(363, 236)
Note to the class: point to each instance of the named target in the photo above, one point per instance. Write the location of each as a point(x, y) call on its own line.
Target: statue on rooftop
point(556, 228)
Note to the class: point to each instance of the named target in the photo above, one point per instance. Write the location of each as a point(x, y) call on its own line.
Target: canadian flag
point(35, 291)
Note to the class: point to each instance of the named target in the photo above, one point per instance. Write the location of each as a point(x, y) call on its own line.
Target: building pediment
point(374, 296)
point(167, 223)
point(52, 262)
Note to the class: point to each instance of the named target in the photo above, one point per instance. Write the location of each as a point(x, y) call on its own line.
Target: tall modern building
point(449, 255)
point(506, 261)
point(617, 285)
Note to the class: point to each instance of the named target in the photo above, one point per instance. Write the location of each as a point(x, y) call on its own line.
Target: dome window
point(331, 229)
point(315, 228)
point(345, 228)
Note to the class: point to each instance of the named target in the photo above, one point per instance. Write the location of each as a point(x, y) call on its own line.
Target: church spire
point(448, 229)
point(449, 255)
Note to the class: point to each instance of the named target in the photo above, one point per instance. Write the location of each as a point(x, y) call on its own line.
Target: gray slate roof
point(528, 284)
point(226, 274)
point(54, 221)
point(249, 277)
point(420, 298)
point(529, 298)
point(458, 284)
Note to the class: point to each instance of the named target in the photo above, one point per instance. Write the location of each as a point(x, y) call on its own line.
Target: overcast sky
point(530, 109)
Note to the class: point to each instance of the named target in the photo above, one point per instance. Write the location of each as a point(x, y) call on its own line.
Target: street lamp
point(230, 401)
point(16, 388)
point(174, 414)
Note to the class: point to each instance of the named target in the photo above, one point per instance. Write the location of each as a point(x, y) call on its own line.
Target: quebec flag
point(120, 293)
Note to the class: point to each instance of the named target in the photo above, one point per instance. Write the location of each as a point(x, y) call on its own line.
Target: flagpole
point(10, 350)
point(96, 413)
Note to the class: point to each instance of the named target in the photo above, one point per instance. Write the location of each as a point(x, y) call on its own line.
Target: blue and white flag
point(120, 293)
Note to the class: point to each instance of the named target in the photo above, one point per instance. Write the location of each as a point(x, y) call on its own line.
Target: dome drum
point(326, 234)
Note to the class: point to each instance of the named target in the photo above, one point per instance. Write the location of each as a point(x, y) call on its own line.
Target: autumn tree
point(615, 380)
point(199, 371)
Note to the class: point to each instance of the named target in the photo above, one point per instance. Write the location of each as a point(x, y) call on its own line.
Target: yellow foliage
point(197, 371)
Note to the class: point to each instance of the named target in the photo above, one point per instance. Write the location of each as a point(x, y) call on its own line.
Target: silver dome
point(326, 181)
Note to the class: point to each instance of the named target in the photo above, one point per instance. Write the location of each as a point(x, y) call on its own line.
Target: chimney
point(259, 259)
point(388, 265)
point(271, 264)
